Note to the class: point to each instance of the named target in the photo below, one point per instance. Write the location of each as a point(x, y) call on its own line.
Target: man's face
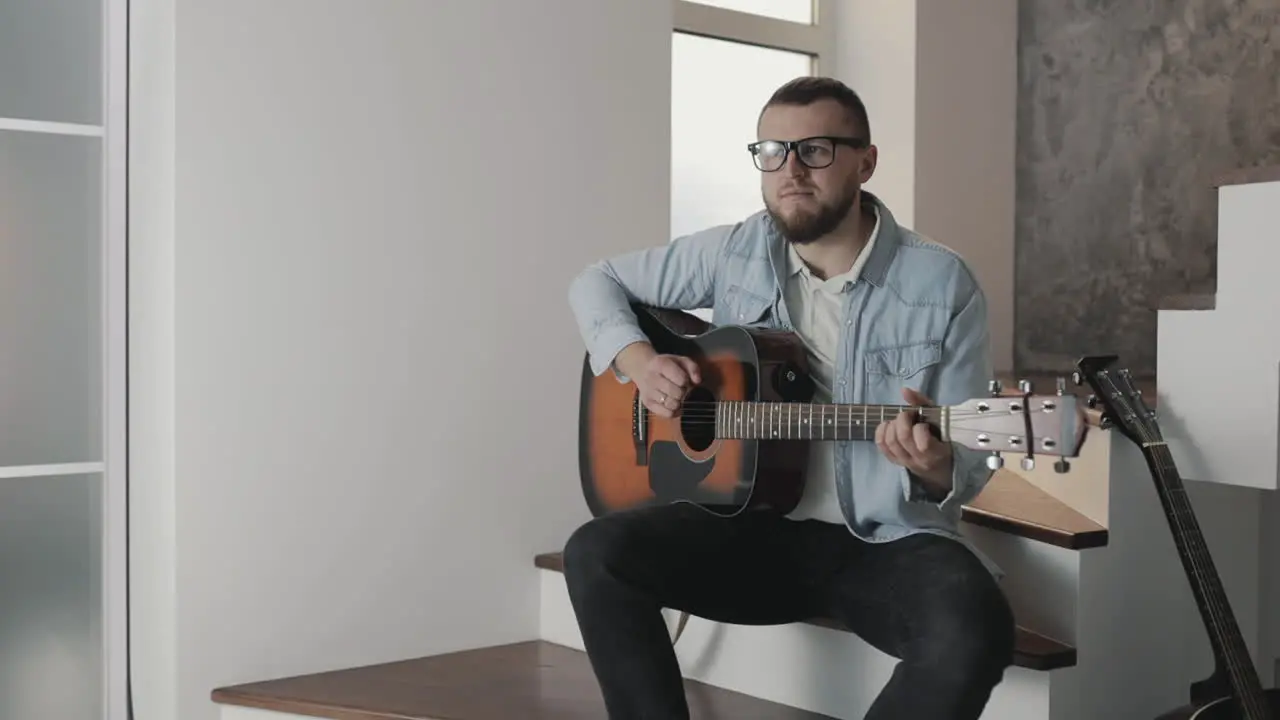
point(807, 202)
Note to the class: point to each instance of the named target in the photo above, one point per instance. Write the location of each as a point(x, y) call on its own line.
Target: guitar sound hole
point(698, 419)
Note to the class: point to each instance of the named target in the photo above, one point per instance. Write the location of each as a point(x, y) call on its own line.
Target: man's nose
point(793, 166)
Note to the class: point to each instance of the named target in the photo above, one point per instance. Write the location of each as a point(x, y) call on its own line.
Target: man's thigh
point(746, 569)
point(917, 595)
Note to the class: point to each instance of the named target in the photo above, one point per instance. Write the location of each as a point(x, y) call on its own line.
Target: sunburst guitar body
point(741, 437)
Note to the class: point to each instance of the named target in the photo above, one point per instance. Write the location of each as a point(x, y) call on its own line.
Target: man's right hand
point(663, 380)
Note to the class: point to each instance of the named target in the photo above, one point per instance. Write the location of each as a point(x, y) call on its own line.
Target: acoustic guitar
point(1233, 691)
point(740, 438)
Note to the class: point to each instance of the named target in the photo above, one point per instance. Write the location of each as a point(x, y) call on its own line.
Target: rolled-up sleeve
point(679, 275)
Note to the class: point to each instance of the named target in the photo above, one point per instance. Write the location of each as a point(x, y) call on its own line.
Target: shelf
point(29, 471)
point(51, 336)
point(50, 128)
point(51, 55)
point(51, 629)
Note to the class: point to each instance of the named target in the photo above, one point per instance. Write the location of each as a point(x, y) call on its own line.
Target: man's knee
point(970, 640)
point(590, 550)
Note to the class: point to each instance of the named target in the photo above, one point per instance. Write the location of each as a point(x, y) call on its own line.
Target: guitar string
point(805, 415)
point(1202, 564)
point(781, 413)
point(796, 426)
point(803, 410)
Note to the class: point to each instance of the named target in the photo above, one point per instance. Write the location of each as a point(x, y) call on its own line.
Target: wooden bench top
point(1032, 650)
point(1012, 504)
point(533, 679)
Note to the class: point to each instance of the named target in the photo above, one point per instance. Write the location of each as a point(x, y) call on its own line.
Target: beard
point(803, 226)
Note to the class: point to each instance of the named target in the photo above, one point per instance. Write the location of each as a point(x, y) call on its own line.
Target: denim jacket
point(916, 317)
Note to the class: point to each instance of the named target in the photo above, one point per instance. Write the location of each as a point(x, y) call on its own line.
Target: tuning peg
point(1092, 402)
point(1061, 466)
point(1077, 379)
point(1061, 385)
point(1024, 386)
point(995, 386)
point(994, 461)
point(1028, 463)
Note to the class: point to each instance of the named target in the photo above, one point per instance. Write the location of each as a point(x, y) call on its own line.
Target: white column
point(1219, 369)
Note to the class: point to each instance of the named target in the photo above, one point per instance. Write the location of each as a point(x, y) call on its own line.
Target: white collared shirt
point(816, 307)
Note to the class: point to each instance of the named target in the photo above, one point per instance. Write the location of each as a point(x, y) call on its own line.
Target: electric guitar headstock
point(1119, 400)
point(1022, 422)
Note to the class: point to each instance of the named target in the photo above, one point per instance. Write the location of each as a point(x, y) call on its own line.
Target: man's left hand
point(909, 443)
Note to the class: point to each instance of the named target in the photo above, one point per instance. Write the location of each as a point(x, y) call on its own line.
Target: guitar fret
point(762, 420)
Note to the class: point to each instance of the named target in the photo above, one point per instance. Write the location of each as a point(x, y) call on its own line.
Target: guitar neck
point(814, 421)
point(1225, 637)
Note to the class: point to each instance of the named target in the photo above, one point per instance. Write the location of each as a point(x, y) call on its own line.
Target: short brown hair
point(806, 90)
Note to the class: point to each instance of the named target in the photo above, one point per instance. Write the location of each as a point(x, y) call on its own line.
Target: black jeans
point(924, 599)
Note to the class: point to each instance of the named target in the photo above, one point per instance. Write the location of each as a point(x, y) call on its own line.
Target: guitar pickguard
point(672, 474)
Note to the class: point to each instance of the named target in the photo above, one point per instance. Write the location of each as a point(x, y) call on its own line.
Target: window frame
point(816, 39)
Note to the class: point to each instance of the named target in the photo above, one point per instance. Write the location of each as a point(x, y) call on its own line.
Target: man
point(886, 317)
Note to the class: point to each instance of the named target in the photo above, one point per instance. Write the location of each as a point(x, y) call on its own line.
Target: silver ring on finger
point(664, 399)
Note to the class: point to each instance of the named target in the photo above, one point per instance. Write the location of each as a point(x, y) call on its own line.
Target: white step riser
point(1041, 581)
point(817, 669)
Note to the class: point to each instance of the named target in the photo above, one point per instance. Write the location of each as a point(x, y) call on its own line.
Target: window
point(727, 57)
point(717, 88)
point(63, 486)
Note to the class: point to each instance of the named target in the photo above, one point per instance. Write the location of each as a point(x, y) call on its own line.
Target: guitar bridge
point(640, 429)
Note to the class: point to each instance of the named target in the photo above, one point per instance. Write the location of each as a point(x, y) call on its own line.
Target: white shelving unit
point(63, 144)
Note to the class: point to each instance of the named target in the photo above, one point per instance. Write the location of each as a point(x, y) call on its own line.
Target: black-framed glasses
point(814, 152)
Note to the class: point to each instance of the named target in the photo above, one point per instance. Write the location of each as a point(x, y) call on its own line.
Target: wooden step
point(1032, 650)
point(1014, 505)
point(535, 679)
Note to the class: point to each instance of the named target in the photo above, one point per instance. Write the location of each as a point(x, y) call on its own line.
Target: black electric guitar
point(1234, 690)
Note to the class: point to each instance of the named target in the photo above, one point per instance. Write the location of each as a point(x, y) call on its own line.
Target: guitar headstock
point(1022, 423)
point(1120, 401)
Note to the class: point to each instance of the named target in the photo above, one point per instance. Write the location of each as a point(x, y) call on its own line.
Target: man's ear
point(867, 167)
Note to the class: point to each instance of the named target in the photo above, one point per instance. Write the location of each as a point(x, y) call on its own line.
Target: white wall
point(966, 145)
point(940, 83)
point(350, 251)
point(354, 368)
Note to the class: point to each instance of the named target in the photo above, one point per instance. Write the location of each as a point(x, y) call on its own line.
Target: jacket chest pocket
point(890, 369)
point(739, 306)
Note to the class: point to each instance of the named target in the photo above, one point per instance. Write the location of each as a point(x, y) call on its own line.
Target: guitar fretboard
point(1211, 598)
point(809, 421)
